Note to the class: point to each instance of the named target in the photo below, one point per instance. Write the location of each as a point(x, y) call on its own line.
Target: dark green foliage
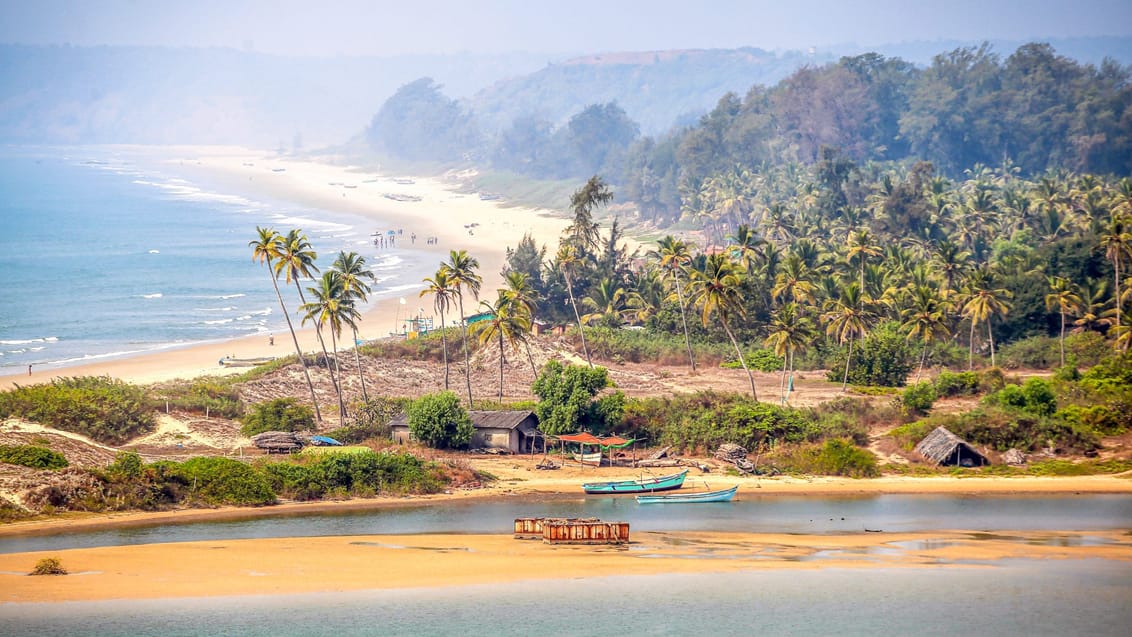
point(1035, 352)
point(107, 410)
point(280, 414)
point(438, 420)
point(918, 398)
point(764, 360)
point(221, 481)
point(606, 413)
point(883, 359)
point(949, 384)
point(1035, 396)
point(834, 457)
point(1003, 429)
point(372, 473)
point(32, 456)
point(294, 481)
point(565, 395)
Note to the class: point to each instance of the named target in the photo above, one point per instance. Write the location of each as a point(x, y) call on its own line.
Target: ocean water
point(1012, 597)
point(106, 253)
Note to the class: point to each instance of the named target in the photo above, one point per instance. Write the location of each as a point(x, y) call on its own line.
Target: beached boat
point(644, 485)
point(231, 361)
point(723, 495)
point(592, 459)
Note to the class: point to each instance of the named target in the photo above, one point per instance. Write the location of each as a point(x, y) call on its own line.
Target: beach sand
point(442, 212)
point(345, 563)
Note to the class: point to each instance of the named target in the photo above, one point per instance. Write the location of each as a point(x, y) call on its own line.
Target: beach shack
point(942, 447)
point(512, 431)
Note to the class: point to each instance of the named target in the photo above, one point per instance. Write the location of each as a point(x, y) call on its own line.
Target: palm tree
point(444, 292)
point(567, 258)
point(716, 290)
point(508, 323)
point(983, 302)
point(793, 282)
point(331, 308)
point(1092, 315)
point(789, 332)
point(674, 259)
point(861, 247)
point(296, 261)
point(926, 318)
point(462, 273)
point(355, 287)
point(847, 319)
point(265, 250)
point(1063, 299)
point(1117, 242)
point(606, 302)
point(525, 297)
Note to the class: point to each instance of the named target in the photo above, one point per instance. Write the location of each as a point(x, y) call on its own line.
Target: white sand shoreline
point(441, 212)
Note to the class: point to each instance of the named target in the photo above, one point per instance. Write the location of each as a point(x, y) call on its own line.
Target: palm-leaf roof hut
point(942, 447)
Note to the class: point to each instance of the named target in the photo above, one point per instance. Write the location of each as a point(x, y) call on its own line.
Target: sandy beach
point(441, 212)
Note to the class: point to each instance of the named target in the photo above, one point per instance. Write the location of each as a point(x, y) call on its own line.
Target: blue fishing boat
point(644, 485)
point(724, 495)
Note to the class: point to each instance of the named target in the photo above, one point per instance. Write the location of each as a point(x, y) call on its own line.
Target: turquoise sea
point(107, 252)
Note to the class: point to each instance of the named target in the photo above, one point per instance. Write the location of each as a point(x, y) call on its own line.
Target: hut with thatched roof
point(942, 447)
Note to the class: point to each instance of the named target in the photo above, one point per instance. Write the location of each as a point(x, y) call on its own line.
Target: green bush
point(884, 358)
point(949, 384)
point(439, 421)
point(212, 396)
point(372, 473)
point(280, 414)
point(222, 481)
point(32, 456)
point(107, 410)
point(647, 346)
point(834, 458)
point(1035, 352)
point(1035, 396)
point(763, 360)
point(918, 398)
point(294, 481)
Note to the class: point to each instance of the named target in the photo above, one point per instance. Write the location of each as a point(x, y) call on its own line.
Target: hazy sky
point(354, 27)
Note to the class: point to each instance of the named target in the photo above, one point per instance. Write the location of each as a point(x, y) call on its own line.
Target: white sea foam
point(218, 322)
point(155, 295)
point(244, 317)
point(228, 308)
point(264, 312)
point(321, 226)
point(231, 296)
point(155, 251)
point(47, 339)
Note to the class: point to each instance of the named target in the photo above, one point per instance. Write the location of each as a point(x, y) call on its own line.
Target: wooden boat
point(231, 361)
point(644, 485)
point(590, 459)
point(723, 495)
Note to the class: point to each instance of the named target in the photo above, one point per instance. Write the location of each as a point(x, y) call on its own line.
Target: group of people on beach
point(389, 239)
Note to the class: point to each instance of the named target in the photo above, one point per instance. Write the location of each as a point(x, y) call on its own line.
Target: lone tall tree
point(717, 292)
point(356, 281)
point(443, 291)
point(462, 273)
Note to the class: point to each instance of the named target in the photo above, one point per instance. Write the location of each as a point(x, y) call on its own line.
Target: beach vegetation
point(658, 347)
point(883, 359)
point(443, 292)
point(439, 421)
point(355, 279)
point(279, 414)
point(49, 566)
point(461, 272)
point(833, 457)
point(11, 512)
point(32, 456)
point(763, 360)
point(566, 398)
point(950, 384)
point(332, 308)
point(918, 398)
point(107, 410)
point(370, 420)
point(214, 481)
point(211, 396)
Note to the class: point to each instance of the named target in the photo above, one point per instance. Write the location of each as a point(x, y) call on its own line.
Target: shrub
point(107, 410)
point(1037, 352)
point(32, 456)
point(10, 512)
point(1034, 396)
point(834, 457)
point(294, 481)
point(884, 358)
point(220, 481)
point(371, 420)
point(647, 346)
point(949, 384)
point(371, 473)
point(606, 413)
point(280, 414)
point(439, 421)
point(212, 396)
point(49, 566)
point(764, 360)
point(918, 398)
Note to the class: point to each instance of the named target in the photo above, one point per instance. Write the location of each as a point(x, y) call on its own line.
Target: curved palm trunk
point(358, 362)
point(500, 367)
point(298, 350)
point(325, 354)
point(1116, 275)
point(742, 359)
point(338, 370)
point(923, 357)
point(444, 346)
point(467, 356)
point(782, 382)
point(1063, 338)
point(684, 320)
point(848, 359)
point(582, 332)
point(971, 347)
point(530, 359)
point(990, 335)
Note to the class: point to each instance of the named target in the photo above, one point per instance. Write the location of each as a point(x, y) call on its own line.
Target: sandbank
point(441, 212)
point(349, 563)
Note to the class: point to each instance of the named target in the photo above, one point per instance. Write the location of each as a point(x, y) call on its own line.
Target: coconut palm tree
point(926, 318)
point(606, 302)
point(444, 293)
point(524, 297)
point(1092, 315)
point(508, 323)
point(1117, 243)
point(296, 261)
point(265, 250)
point(847, 319)
point(1064, 300)
point(675, 256)
point(983, 302)
point(356, 279)
point(716, 291)
point(790, 332)
point(331, 308)
point(462, 273)
point(861, 247)
point(567, 258)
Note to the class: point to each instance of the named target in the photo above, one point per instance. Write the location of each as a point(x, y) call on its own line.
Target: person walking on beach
point(29, 369)
point(271, 339)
